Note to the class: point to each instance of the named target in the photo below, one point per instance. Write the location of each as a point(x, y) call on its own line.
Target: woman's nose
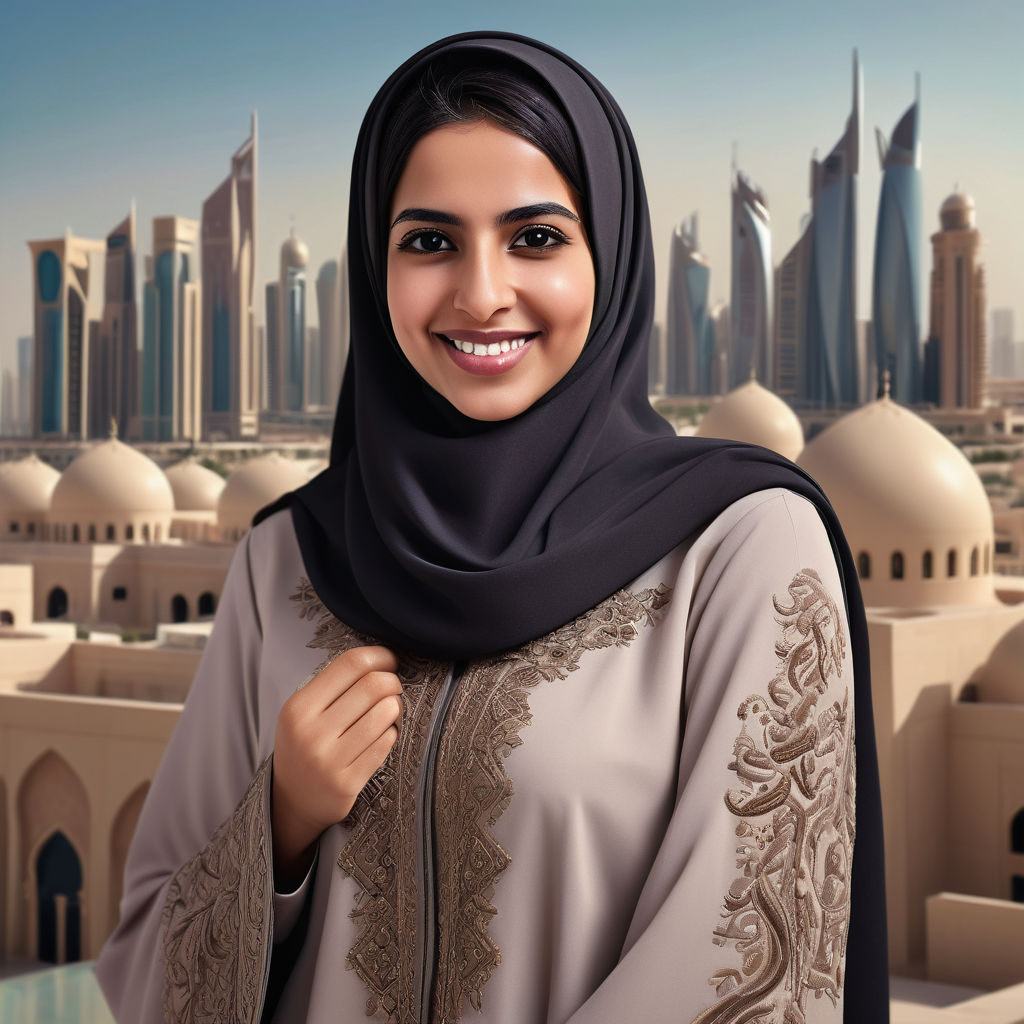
point(483, 287)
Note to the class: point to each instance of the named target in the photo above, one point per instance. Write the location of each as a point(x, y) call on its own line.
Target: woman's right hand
point(332, 735)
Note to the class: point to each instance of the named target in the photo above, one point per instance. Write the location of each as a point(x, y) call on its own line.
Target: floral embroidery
point(786, 915)
point(216, 920)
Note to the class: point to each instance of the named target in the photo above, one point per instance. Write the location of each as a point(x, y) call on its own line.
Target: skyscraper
point(332, 308)
point(831, 376)
point(689, 338)
point(286, 329)
point(1003, 361)
point(113, 369)
point(957, 335)
point(230, 370)
point(790, 326)
point(61, 331)
point(314, 383)
point(751, 285)
point(896, 292)
point(170, 400)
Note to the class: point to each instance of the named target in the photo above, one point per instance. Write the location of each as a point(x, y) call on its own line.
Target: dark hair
point(504, 92)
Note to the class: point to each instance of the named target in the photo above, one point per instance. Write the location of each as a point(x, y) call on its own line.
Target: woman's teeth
point(493, 349)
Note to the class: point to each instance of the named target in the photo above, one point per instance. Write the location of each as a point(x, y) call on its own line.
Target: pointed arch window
point(974, 560)
point(951, 562)
point(896, 565)
point(926, 565)
point(864, 565)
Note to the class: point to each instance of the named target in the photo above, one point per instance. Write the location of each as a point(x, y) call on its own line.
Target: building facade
point(896, 291)
point(958, 355)
point(113, 363)
point(60, 273)
point(286, 330)
point(1003, 362)
point(230, 369)
point(171, 343)
point(689, 336)
point(332, 309)
point(752, 285)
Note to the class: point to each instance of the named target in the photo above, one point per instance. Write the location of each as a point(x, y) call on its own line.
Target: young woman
point(576, 739)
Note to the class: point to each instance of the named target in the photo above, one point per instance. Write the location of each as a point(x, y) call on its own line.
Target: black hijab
point(456, 538)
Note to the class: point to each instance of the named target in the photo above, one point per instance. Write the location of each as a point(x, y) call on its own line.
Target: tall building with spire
point(790, 321)
point(689, 335)
point(60, 274)
point(751, 285)
point(230, 368)
point(171, 391)
point(113, 363)
point(286, 329)
point(832, 368)
point(896, 291)
point(956, 352)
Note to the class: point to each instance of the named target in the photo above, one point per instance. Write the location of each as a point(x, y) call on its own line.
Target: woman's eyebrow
point(520, 213)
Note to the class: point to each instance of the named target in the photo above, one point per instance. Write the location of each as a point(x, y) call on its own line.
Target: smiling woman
point(524, 710)
point(490, 303)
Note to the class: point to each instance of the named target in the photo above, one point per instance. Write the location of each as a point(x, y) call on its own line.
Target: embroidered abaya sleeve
point(197, 920)
point(744, 913)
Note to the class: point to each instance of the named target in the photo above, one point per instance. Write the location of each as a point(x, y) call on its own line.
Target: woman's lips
point(512, 347)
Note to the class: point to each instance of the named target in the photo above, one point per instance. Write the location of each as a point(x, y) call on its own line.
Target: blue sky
point(103, 102)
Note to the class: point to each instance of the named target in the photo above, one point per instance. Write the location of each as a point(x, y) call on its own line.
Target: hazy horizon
point(119, 103)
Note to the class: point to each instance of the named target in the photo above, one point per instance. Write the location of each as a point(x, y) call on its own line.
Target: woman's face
point(490, 275)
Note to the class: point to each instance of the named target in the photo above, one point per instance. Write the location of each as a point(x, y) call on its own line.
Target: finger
point(351, 705)
point(347, 668)
point(368, 727)
point(360, 771)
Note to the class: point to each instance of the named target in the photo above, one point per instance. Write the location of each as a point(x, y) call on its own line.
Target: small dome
point(254, 484)
point(752, 413)
point(195, 488)
point(1002, 678)
point(957, 212)
point(294, 252)
point(26, 486)
point(900, 488)
point(111, 478)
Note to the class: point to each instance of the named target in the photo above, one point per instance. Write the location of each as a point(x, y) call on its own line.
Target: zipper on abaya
point(428, 847)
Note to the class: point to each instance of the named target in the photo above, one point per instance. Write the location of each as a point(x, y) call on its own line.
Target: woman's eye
point(426, 241)
point(539, 238)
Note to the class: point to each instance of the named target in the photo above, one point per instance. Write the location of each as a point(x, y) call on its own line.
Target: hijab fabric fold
point(455, 538)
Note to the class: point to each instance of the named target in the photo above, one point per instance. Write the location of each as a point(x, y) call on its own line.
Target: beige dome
point(252, 485)
point(1002, 678)
point(957, 212)
point(900, 488)
point(294, 252)
point(195, 488)
point(26, 486)
point(752, 413)
point(111, 478)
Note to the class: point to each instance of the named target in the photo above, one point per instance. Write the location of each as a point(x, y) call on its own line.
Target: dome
point(111, 478)
point(294, 252)
point(902, 489)
point(195, 488)
point(26, 486)
point(1002, 677)
point(752, 413)
point(957, 212)
point(254, 484)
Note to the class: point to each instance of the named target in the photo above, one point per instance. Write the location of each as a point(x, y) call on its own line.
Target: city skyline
point(61, 170)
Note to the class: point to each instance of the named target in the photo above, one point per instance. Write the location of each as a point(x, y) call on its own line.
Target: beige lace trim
point(489, 710)
point(787, 914)
point(216, 920)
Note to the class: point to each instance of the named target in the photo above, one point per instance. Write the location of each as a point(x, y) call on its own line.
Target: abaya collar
point(455, 538)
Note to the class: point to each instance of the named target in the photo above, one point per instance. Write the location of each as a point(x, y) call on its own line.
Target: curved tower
point(832, 367)
point(688, 331)
point(751, 285)
point(896, 292)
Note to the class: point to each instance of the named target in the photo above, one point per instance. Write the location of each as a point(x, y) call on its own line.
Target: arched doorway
point(6, 618)
point(179, 609)
point(58, 885)
point(57, 603)
point(207, 603)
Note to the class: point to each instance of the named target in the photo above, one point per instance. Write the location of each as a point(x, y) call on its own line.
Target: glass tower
point(689, 335)
point(751, 285)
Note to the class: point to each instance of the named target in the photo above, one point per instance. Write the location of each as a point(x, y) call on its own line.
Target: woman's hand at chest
point(332, 735)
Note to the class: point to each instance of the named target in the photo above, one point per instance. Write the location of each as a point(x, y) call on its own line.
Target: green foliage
point(211, 463)
point(134, 636)
point(991, 455)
